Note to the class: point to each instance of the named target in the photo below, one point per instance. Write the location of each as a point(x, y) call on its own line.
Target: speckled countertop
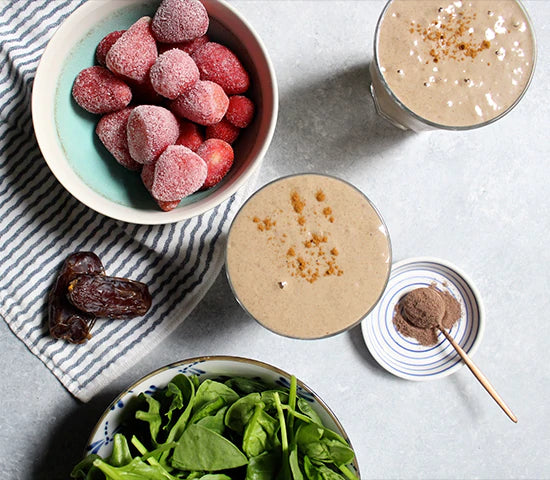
point(478, 199)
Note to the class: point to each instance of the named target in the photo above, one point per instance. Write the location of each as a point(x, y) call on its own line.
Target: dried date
point(111, 297)
point(64, 320)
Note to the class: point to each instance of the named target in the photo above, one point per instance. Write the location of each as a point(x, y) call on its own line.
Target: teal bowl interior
point(89, 159)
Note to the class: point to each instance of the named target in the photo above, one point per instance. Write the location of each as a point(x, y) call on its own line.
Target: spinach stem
point(280, 414)
point(292, 404)
point(143, 451)
point(347, 472)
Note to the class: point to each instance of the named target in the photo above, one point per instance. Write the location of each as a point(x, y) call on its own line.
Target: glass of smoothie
point(308, 256)
point(451, 65)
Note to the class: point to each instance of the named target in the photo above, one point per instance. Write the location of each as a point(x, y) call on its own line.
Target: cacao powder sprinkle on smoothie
point(313, 273)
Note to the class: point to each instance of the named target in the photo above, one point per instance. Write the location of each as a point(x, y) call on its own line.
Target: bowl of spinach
point(218, 418)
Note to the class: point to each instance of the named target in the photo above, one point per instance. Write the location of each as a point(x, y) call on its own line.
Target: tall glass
point(451, 65)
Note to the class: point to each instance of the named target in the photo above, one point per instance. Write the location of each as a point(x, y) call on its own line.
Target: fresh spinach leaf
point(121, 451)
point(202, 449)
point(246, 385)
point(152, 416)
point(209, 391)
point(260, 434)
point(264, 466)
point(322, 445)
point(240, 413)
point(215, 422)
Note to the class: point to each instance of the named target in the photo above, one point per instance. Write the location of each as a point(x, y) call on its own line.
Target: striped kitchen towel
point(41, 223)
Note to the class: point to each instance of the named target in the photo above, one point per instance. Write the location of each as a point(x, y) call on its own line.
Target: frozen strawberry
point(111, 130)
point(188, 47)
point(190, 135)
point(167, 206)
point(147, 175)
point(205, 103)
point(97, 90)
point(180, 21)
point(220, 65)
point(240, 111)
point(105, 45)
point(150, 130)
point(173, 73)
point(178, 173)
point(133, 54)
point(223, 130)
point(218, 155)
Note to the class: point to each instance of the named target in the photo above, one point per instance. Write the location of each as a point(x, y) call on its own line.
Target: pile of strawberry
point(171, 100)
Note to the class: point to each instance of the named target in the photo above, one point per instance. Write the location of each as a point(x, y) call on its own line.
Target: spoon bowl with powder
point(423, 312)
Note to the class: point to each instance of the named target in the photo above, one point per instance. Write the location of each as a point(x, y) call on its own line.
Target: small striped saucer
point(403, 356)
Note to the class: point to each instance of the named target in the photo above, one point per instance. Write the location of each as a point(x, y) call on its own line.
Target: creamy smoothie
point(308, 256)
point(454, 64)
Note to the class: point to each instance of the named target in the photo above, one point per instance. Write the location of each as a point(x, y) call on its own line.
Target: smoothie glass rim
point(425, 121)
point(382, 222)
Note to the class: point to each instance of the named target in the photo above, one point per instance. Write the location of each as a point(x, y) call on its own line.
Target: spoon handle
point(479, 375)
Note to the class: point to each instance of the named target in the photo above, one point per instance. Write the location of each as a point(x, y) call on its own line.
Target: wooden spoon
point(479, 375)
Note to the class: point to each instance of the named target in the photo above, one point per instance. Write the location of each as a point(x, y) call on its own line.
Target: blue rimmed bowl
point(101, 438)
point(403, 356)
point(65, 132)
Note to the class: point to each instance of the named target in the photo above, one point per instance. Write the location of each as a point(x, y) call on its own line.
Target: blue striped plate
point(403, 356)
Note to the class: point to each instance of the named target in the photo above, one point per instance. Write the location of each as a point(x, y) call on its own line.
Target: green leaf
point(181, 390)
point(260, 434)
point(215, 422)
point(215, 476)
point(207, 410)
point(137, 469)
point(152, 416)
point(121, 451)
point(323, 445)
point(209, 391)
point(202, 449)
point(246, 385)
point(305, 407)
point(240, 413)
point(264, 466)
point(295, 464)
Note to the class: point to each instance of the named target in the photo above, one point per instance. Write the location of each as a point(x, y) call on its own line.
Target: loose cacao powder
point(418, 313)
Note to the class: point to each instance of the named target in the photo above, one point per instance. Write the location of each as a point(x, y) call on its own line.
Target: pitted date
point(111, 297)
point(64, 320)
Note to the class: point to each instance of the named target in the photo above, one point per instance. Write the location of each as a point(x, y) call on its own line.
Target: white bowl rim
point(42, 112)
point(481, 318)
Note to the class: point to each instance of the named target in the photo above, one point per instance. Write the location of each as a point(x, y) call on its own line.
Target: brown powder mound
point(423, 307)
point(418, 314)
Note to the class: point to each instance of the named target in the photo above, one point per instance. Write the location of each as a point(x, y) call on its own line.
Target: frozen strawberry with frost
point(180, 21)
point(167, 206)
point(133, 54)
point(150, 130)
point(105, 45)
point(173, 73)
point(191, 135)
point(205, 103)
point(218, 156)
point(220, 65)
point(97, 90)
point(240, 111)
point(188, 47)
point(223, 130)
point(111, 130)
point(177, 173)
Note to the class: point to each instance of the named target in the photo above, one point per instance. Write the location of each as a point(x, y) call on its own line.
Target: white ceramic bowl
point(403, 356)
point(100, 441)
point(65, 132)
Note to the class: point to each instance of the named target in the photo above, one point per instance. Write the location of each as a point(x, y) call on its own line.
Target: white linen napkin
point(41, 224)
